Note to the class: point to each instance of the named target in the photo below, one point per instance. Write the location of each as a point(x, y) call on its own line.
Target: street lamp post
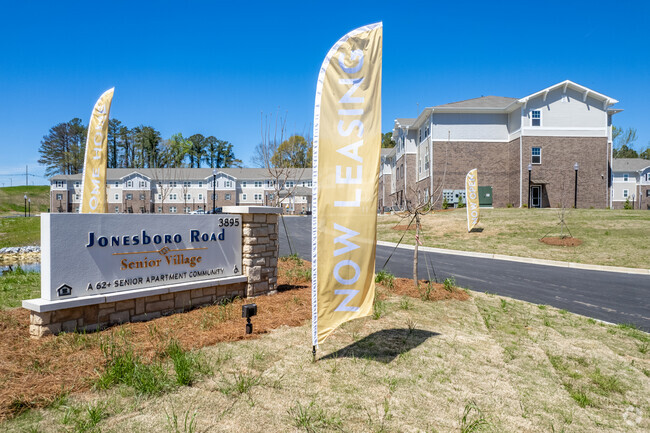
point(29, 207)
point(575, 194)
point(633, 203)
point(530, 169)
point(214, 188)
point(25, 205)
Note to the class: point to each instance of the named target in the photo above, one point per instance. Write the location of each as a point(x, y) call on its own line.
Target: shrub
point(445, 203)
point(385, 277)
point(627, 205)
point(461, 203)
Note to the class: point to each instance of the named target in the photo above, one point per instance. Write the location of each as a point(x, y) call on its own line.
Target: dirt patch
point(404, 227)
point(33, 373)
point(566, 241)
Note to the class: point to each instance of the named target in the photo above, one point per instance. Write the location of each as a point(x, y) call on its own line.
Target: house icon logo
point(64, 290)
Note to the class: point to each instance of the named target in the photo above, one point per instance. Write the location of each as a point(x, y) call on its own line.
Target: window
point(173, 196)
point(626, 177)
point(228, 184)
point(626, 193)
point(117, 184)
point(536, 155)
point(159, 209)
point(647, 193)
point(258, 184)
point(117, 196)
point(535, 118)
point(200, 184)
point(141, 196)
point(187, 184)
point(187, 209)
point(59, 196)
point(172, 209)
point(216, 197)
point(59, 184)
point(258, 197)
point(129, 184)
point(271, 196)
point(289, 184)
point(159, 196)
point(243, 197)
point(270, 183)
point(143, 184)
point(228, 197)
point(76, 196)
point(188, 196)
point(243, 184)
point(129, 196)
point(117, 209)
point(77, 184)
point(200, 197)
point(173, 183)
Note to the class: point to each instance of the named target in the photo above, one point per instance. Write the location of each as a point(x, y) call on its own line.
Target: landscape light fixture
point(25, 205)
point(248, 311)
point(575, 189)
point(29, 207)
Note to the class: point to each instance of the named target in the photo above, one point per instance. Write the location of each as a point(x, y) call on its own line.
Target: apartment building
point(185, 190)
point(631, 183)
point(529, 151)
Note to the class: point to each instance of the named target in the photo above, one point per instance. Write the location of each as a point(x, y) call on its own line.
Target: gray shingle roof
point(496, 102)
point(191, 173)
point(405, 121)
point(630, 164)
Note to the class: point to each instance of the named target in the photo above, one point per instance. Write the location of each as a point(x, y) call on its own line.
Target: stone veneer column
point(260, 247)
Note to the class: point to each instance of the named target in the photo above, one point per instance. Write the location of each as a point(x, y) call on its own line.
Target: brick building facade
point(557, 136)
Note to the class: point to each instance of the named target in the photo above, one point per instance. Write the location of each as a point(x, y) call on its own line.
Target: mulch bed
point(436, 291)
point(34, 372)
point(564, 241)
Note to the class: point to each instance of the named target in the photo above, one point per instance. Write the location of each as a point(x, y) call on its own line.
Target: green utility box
point(485, 196)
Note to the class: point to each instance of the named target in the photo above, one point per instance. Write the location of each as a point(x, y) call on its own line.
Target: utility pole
point(26, 176)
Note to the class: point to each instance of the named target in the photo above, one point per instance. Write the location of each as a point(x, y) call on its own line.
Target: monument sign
point(95, 254)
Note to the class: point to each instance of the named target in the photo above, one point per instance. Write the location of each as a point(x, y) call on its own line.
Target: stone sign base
point(100, 316)
point(260, 249)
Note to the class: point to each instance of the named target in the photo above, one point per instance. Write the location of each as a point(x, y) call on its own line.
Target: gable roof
point(630, 164)
point(607, 101)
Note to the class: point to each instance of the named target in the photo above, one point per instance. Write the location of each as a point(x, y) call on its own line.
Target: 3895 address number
point(228, 222)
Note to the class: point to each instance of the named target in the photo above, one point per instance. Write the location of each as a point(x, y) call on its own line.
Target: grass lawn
point(12, 199)
point(484, 364)
point(18, 285)
point(18, 232)
point(609, 237)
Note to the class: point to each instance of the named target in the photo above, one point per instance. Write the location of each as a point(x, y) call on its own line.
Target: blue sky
point(214, 67)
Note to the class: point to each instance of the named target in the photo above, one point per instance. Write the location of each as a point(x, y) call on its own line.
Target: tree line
point(623, 144)
point(63, 147)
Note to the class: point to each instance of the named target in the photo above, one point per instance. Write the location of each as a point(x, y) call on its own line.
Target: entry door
point(536, 196)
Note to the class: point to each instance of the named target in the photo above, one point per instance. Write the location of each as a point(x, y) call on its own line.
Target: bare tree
point(283, 176)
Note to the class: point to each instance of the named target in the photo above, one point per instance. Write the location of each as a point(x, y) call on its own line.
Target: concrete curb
point(523, 259)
